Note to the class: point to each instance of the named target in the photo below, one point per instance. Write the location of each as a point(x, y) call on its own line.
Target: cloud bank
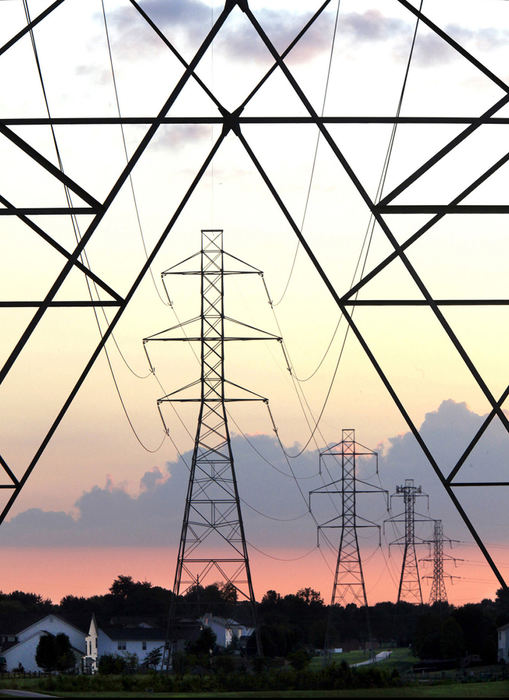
point(110, 516)
point(188, 21)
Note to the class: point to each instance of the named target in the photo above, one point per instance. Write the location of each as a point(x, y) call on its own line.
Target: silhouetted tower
point(349, 585)
point(409, 582)
point(212, 541)
point(438, 593)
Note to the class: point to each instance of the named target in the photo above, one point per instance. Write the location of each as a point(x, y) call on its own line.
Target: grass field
point(400, 659)
point(496, 689)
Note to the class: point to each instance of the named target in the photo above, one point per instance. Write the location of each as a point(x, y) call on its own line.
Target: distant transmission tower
point(438, 593)
point(349, 585)
point(409, 582)
point(212, 540)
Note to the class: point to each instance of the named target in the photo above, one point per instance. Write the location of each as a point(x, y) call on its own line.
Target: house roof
point(29, 620)
point(225, 621)
point(21, 621)
point(134, 633)
point(503, 627)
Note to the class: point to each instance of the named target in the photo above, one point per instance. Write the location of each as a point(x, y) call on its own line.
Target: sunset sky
point(98, 503)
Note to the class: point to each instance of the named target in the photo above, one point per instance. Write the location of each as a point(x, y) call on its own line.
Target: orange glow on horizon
point(55, 573)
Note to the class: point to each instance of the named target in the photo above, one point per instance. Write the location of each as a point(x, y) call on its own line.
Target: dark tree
point(205, 642)
point(299, 659)
point(122, 587)
point(55, 653)
point(309, 596)
point(45, 655)
point(65, 655)
point(426, 642)
point(111, 664)
point(452, 640)
point(153, 658)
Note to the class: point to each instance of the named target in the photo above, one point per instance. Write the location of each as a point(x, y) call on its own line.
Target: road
point(381, 656)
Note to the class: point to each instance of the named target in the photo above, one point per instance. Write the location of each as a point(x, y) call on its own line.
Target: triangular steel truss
point(233, 123)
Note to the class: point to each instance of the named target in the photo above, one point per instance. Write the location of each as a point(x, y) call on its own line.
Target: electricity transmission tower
point(349, 584)
point(409, 582)
point(438, 593)
point(34, 219)
point(212, 541)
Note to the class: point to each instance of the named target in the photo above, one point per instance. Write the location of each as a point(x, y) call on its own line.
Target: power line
point(313, 166)
point(77, 235)
point(126, 153)
point(368, 236)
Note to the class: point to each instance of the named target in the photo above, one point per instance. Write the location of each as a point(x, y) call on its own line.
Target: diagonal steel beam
point(445, 150)
point(454, 44)
point(48, 165)
point(381, 222)
point(112, 195)
point(111, 327)
point(426, 227)
point(9, 473)
point(487, 421)
point(54, 244)
point(285, 53)
point(373, 360)
point(28, 28)
point(177, 54)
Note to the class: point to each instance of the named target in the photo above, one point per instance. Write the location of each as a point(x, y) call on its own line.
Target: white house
point(121, 641)
point(226, 629)
point(503, 643)
point(24, 647)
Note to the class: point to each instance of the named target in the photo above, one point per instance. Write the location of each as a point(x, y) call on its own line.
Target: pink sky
point(85, 571)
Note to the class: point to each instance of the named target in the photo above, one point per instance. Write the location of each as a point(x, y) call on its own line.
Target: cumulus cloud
point(238, 38)
point(110, 516)
point(180, 135)
point(372, 25)
point(431, 50)
point(152, 479)
point(191, 19)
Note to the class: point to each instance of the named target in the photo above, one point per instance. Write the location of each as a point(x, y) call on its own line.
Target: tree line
point(288, 623)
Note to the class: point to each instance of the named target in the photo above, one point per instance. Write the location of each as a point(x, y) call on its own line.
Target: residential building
point(503, 643)
point(227, 630)
point(19, 649)
point(120, 641)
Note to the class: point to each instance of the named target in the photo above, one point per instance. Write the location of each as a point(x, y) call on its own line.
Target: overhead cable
point(369, 236)
point(77, 235)
point(315, 155)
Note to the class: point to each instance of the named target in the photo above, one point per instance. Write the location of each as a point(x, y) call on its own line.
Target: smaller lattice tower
point(409, 582)
point(349, 585)
point(438, 592)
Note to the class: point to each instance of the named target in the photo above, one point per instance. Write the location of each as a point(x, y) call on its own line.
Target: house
point(227, 630)
point(120, 640)
point(503, 643)
point(20, 648)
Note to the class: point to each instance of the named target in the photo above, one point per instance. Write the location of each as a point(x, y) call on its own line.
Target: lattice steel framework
point(349, 585)
point(233, 122)
point(438, 591)
point(212, 541)
point(409, 582)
